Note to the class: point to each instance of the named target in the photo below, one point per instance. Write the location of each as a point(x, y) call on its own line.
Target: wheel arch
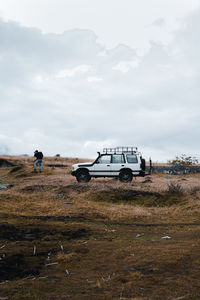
point(82, 169)
point(126, 170)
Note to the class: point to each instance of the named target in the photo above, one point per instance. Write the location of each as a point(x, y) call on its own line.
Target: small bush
point(174, 188)
point(184, 160)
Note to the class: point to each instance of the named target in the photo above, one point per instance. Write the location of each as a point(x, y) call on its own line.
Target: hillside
point(60, 239)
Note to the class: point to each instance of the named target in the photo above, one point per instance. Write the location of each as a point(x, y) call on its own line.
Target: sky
point(80, 75)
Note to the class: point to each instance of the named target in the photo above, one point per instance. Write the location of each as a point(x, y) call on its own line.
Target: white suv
point(121, 162)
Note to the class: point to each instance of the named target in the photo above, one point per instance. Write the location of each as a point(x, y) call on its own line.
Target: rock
point(3, 187)
point(166, 237)
point(139, 235)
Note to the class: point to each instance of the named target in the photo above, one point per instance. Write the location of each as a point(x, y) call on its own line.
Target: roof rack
point(120, 150)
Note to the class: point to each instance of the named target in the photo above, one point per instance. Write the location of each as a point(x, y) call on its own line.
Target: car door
point(117, 163)
point(102, 165)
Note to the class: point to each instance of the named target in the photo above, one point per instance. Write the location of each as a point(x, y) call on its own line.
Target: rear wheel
point(125, 176)
point(83, 176)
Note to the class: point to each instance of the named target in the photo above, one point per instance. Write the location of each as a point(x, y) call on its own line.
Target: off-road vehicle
point(121, 162)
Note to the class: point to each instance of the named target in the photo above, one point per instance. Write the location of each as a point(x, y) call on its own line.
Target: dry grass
point(61, 240)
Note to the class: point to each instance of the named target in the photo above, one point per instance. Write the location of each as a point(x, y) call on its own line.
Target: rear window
point(132, 159)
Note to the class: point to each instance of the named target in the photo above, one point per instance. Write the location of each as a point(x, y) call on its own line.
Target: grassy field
point(60, 239)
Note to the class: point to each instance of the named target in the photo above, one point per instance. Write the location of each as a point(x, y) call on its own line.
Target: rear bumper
point(142, 174)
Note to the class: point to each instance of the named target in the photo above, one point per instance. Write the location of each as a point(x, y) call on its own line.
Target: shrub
point(184, 160)
point(174, 188)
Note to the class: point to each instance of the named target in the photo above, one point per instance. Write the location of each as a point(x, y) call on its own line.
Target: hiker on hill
point(38, 161)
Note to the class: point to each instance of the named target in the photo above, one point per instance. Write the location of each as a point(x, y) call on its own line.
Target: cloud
point(160, 22)
point(125, 66)
point(94, 79)
point(82, 69)
point(66, 93)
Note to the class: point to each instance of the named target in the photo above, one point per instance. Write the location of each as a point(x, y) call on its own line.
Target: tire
point(125, 176)
point(83, 176)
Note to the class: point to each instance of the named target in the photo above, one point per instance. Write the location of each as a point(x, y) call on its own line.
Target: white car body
point(113, 162)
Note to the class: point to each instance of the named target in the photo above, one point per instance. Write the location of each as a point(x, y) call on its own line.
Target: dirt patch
point(20, 265)
point(12, 233)
point(79, 188)
point(147, 180)
point(5, 163)
point(17, 168)
point(135, 197)
point(36, 188)
point(138, 269)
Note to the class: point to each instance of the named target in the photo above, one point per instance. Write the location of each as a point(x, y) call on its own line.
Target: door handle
point(122, 165)
point(108, 165)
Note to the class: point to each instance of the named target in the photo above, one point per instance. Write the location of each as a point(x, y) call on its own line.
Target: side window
point(132, 159)
point(104, 159)
point(117, 159)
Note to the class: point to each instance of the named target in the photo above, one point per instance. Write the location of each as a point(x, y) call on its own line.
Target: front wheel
point(83, 176)
point(125, 176)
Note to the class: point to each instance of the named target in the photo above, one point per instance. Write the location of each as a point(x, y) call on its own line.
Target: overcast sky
point(78, 75)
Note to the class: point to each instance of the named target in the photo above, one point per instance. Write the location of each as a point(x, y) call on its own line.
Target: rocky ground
point(60, 239)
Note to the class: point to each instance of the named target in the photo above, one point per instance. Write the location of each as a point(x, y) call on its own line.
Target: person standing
point(38, 161)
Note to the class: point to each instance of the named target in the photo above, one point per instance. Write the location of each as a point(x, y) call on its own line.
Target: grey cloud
point(32, 43)
point(160, 22)
point(25, 51)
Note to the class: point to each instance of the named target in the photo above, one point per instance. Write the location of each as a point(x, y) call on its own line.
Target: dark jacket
point(38, 155)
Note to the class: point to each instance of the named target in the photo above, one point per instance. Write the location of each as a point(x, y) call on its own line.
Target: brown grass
point(59, 241)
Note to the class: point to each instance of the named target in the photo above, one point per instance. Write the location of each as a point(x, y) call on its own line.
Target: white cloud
point(39, 79)
point(94, 79)
point(96, 145)
point(82, 69)
point(125, 66)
